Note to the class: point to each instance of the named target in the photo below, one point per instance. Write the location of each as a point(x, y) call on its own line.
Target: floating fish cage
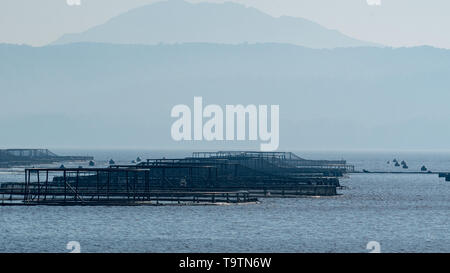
point(279, 161)
point(107, 186)
point(445, 175)
point(21, 157)
point(257, 172)
point(204, 178)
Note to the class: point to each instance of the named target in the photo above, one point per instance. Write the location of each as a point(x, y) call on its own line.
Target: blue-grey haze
point(101, 95)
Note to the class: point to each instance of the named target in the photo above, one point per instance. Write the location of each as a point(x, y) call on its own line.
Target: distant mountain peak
point(177, 21)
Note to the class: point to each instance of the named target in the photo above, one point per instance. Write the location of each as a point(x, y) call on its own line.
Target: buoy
point(405, 166)
point(138, 159)
point(423, 169)
point(111, 162)
point(396, 164)
point(62, 166)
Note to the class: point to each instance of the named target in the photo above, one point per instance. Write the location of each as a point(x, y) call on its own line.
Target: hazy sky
point(389, 22)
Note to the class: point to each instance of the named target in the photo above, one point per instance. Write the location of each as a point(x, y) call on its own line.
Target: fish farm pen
point(20, 157)
point(104, 186)
point(204, 178)
point(445, 175)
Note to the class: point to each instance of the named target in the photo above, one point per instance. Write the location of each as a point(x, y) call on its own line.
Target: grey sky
point(393, 23)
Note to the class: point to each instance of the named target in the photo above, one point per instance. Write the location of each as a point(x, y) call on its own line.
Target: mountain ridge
point(227, 23)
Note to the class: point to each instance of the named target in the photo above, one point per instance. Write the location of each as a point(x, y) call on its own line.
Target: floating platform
point(22, 157)
point(213, 178)
point(445, 175)
point(112, 187)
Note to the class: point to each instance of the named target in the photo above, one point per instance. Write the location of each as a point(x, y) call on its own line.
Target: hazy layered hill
point(100, 95)
point(180, 22)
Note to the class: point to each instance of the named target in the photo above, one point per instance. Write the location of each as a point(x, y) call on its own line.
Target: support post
point(76, 185)
point(46, 185)
point(65, 186)
point(128, 189)
point(39, 186)
point(107, 184)
point(98, 185)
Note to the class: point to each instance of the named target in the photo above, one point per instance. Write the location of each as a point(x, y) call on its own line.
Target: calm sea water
point(403, 212)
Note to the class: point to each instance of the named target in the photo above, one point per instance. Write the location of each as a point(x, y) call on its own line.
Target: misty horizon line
point(225, 149)
point(220, 44)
